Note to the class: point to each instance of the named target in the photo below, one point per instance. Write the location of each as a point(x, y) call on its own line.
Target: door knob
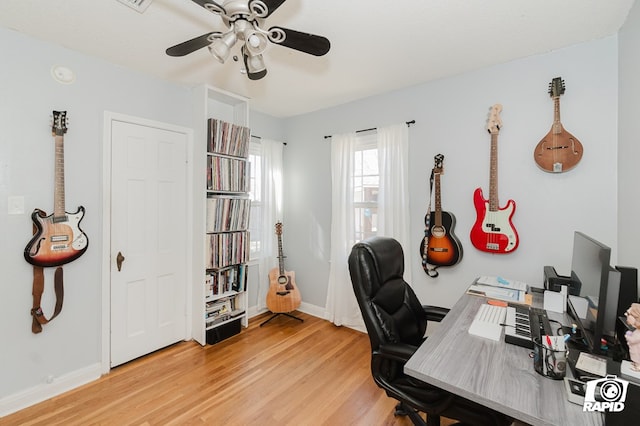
point(119, 260)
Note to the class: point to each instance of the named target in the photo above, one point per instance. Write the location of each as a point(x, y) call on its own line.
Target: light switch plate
point(15, 204)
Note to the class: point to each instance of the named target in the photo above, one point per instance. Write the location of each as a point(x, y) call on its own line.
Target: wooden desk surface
point(495, 374)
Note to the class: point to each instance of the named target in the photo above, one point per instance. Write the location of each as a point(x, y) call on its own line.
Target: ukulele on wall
point(58, 238)
point(559, 151)
point(439, 247)
point(283, 295)
point(493, 231)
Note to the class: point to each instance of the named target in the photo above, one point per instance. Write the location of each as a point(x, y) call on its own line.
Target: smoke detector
point(139, 5)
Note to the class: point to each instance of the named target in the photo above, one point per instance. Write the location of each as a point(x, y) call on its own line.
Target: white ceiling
point(376, 45)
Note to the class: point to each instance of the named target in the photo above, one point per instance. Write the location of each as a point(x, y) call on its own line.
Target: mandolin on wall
point(559, 151)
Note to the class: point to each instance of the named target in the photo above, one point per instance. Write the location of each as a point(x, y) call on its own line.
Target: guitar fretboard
point(438, 201)
point(493, 174)
point(557, 125)
point(58, 191)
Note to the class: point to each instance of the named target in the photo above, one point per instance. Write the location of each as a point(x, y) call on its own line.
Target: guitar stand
point(282, 313)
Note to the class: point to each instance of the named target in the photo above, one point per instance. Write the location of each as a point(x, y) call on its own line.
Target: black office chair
point(396, 323)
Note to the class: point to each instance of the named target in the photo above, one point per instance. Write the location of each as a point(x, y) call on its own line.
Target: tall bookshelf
point(221, 221)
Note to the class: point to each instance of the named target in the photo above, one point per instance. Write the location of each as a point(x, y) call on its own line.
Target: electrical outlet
point(15, 204)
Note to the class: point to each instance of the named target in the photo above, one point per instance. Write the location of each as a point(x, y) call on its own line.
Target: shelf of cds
point(220, 298)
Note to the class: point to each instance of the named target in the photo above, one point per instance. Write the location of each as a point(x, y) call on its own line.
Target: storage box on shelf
point(221, 302)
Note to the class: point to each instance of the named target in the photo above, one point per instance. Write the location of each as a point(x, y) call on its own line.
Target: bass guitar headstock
point(556, 87)
point(494, 123)
point(59, 123)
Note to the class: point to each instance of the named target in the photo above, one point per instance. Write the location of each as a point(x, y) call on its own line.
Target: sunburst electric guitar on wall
point(283, 295)
point(493, 231)
point(559, 151)
point(440, 246)
point(58, 238)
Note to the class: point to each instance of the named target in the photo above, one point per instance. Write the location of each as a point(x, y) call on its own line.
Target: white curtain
point(393, 213)
point(342, 307)
point(271, 178)
point(393, 196)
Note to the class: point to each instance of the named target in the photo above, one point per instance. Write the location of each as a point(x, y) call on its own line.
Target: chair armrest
point(396, 352)
point(435, 313)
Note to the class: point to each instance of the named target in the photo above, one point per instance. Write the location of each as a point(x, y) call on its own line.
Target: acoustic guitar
point(493, 231)
point(283, 295)
point(439, 247)
point(58, 238)
point(559, 151)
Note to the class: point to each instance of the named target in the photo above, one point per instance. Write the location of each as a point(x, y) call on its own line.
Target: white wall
point(450, 119)
point(70, 344)
point(629, 141)
point(451, 116)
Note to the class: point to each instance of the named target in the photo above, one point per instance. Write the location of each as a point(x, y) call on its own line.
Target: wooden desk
point(495, 374)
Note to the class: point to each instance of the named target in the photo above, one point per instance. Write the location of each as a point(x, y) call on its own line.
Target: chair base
point(282, 313)
point(404, 410)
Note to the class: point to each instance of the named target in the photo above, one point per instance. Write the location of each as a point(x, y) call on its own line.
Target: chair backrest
point(391, 311)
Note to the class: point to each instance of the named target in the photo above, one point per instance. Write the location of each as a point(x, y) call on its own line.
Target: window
point(255, 194)
point(366, 184)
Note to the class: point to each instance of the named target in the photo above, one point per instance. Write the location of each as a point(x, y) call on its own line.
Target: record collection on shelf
point(227, 223)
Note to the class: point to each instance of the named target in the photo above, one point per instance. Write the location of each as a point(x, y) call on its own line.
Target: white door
point(149, 232)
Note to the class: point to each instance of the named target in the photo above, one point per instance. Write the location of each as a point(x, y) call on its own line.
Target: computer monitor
point(600, 285)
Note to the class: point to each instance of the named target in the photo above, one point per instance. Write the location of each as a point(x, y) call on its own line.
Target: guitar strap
point(38, 288)
point(430, 270)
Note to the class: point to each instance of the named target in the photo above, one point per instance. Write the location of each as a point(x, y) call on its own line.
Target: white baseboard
point(12, 403)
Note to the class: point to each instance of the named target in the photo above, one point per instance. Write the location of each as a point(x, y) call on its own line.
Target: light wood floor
point(285, 373)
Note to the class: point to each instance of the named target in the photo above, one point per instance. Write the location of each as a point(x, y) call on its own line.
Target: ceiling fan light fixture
point(256, 43)
point(221, 47)
point(255, 64)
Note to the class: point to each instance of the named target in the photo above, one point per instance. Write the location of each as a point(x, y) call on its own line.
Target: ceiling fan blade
point(304, 42)
point(211, 6)
point(192, 45)
point(258, 6)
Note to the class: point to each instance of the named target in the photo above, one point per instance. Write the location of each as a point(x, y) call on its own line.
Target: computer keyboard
point(488, 322)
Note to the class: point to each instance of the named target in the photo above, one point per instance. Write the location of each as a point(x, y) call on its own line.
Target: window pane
point(370, 162)
point(255, 195)
point(366, 222)
point(255, 180)
point(370, 189)
point(255, 231)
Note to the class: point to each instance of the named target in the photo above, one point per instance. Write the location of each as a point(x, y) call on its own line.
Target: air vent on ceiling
point(139, 5)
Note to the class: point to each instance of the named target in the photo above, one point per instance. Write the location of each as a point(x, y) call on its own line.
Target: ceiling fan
point(245, 19)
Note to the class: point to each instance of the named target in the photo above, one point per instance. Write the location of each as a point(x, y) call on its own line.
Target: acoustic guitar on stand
point(559, 151)
point(283, 295)
point(58, 238)
point(439, 247)
point(493, 231)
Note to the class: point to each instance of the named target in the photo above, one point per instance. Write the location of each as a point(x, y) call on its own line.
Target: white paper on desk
point(497, 293)
point(503, 283)
point(592, 364)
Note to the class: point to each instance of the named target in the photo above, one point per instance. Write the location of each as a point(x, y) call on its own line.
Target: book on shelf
point(226, 213)
point(226, 249)
point(226, 280)
point(227, 174)
point(227, 138)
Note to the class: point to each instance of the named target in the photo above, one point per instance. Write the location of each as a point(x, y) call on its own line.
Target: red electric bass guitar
point(493, 231)
point(58, 238)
